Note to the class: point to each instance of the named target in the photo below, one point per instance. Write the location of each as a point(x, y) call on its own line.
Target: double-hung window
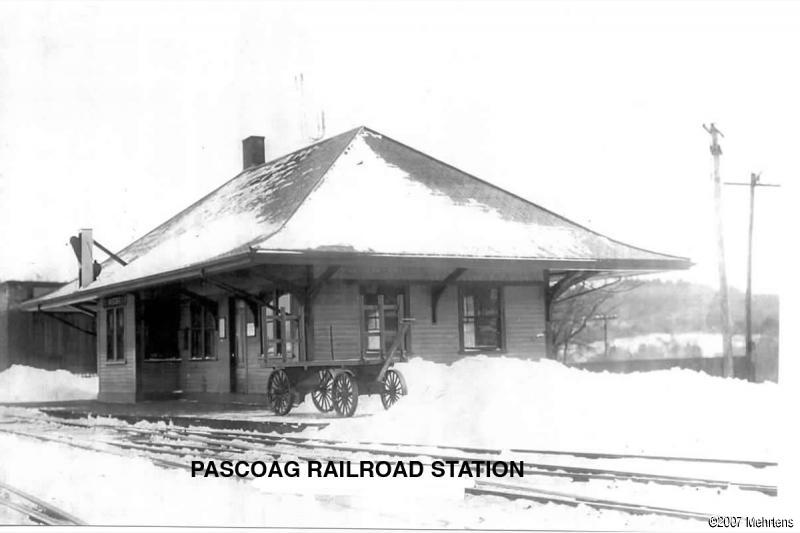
point(115, 334)
point(201, 334)
point(282, 327)
point(382, 309)
point(481, 318)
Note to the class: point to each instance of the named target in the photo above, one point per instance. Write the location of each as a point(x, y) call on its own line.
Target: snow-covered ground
point(111, 490)
point(502, 402)
point(25, 384)
point(494, 402)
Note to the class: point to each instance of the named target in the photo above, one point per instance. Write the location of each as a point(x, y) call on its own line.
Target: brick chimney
point(253, 151)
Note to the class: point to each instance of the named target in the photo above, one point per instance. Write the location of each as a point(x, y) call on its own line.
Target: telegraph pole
point(727, 343)
point(755, 181)
point(605, 319)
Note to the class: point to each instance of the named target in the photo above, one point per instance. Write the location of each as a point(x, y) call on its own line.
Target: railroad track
point(276, 426)
point(184, 441)
point(514, 492)
point(289, 427)
point(481, 488)
point(37, 510)
point(576, 473)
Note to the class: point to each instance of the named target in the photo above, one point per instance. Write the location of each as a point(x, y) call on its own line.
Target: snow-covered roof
point(361, 193)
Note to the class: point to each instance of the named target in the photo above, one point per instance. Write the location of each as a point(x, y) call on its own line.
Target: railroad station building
point(320, 255)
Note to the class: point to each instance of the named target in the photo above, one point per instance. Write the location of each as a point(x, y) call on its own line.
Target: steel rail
point(267, 441)
point(513, 492)
point(49, 514)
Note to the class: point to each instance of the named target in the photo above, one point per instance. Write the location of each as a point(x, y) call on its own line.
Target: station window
point(382, 308)
point(160, 323)
point(201, 335)
point(480, 317)
point(282, 319)
point(115, 334)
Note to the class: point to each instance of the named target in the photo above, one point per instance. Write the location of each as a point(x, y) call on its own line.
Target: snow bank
point(506, 403)
point(25, 384)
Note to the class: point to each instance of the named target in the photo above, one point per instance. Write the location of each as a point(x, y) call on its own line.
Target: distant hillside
point(680, 307)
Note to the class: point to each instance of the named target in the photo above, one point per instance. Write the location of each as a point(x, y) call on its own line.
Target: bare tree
point(572, 308)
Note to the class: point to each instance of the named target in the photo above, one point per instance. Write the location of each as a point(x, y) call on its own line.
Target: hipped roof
point(360, 193)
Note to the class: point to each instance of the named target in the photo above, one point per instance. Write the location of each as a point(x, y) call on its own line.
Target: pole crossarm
point(605, 318)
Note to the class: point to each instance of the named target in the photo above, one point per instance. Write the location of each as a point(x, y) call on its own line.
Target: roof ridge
point(518, 197)
point(216, 189)
point(352, 133)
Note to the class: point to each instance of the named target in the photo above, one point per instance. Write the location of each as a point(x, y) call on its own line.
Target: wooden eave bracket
point(252, 300)
point(282, 283)
point(85, 310)
point(55, 316)
point(438, 289)
point(207, 302)
point(316, 286)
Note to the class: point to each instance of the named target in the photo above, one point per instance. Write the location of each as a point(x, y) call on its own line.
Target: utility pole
point(605, 319)
point(725, 312)
point(755, 181)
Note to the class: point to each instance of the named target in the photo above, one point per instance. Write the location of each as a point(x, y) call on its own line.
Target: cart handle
point(405, 325)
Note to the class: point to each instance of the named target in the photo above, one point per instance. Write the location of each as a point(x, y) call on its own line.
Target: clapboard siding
point(435, 342)
point(160, 377)
point(524, 316)
point(337, 306)
point(206, 375)
point(524, 323)
point(257, 378)
point(118, 379)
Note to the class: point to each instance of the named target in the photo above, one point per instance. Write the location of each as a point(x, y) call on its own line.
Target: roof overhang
point(616, 267)
point(93, 293)
point(360, 258)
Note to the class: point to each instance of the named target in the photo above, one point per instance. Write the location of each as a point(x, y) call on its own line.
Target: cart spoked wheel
point(345, 394)
point(279, 392)
point(394, 386)
point(322, 396)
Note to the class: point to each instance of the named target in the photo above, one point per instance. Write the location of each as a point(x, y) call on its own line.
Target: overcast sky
point(116, 116)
